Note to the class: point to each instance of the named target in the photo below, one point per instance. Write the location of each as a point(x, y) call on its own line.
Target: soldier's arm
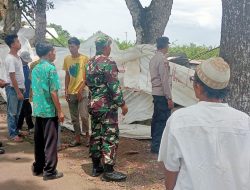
point(113, 84)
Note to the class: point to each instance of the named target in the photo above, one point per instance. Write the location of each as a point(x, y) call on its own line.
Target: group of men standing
point(204, 146)
point(99, 75)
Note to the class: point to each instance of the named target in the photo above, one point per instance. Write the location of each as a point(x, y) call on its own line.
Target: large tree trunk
point(12, 19)
point(149, 22)
point(40, 19)
point(2, 9)
point(235, 49)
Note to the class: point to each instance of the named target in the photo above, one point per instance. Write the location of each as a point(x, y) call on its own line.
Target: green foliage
point(194, 51)
point(60, 31)
point(63, 35)
point(123, 44)
point(29, 6)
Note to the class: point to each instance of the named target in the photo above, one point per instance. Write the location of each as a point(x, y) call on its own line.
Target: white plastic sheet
point(134, 75)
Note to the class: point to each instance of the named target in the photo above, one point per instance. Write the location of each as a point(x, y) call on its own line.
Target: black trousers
point(45, 137)
point(159, 119)
point(26, 113)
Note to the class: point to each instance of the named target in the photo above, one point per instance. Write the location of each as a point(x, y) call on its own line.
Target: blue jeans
point(159, 119)
point(13, 111)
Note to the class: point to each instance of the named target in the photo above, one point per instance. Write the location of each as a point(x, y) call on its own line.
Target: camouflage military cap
point(102, 41)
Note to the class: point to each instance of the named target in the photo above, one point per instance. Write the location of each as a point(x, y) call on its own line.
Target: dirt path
point(134, 159)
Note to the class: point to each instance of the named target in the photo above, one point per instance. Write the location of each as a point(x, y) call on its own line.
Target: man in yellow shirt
point(76, 92)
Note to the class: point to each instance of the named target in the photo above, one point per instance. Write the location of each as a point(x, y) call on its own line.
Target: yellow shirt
point(77, 71)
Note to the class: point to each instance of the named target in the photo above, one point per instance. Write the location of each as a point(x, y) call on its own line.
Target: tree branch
point(135, 8)
point(149, 22)
point(134, 5)
point(163, 8)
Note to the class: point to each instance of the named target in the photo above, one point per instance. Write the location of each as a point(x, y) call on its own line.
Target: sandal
point(2, 151)
point(17, 139)
point(23, 133)
point(87, 143)
point(74, 143)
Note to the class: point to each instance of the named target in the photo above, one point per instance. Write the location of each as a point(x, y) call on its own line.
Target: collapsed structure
point(134, 76)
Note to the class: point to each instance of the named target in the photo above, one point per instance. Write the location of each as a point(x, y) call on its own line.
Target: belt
point(21, 89)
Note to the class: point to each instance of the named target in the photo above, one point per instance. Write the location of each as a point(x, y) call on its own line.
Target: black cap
point(162, 42)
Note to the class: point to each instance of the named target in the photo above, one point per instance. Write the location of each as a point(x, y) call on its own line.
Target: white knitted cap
point(214, 72)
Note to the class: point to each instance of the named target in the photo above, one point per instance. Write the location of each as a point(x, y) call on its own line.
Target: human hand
point(66, 96)
point(124, 109)
point(20, 96)
point(61, 117)
point(170, 104)
point(79, 96)
point(3, 83)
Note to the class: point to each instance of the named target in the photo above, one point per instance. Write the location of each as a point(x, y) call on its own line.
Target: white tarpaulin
point(134, 75)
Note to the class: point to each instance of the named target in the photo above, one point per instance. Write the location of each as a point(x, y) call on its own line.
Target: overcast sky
point(191, 21)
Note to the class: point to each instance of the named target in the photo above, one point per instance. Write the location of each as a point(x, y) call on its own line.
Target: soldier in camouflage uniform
point(105, 98)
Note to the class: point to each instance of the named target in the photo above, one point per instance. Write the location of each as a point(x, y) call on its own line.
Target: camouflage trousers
point(104, 138)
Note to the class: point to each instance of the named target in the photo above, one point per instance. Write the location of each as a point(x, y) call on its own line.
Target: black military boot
point(111, 175)
point(97, 167)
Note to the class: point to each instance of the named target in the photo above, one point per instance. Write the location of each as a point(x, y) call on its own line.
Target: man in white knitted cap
point(206, 146)
point(26, 110)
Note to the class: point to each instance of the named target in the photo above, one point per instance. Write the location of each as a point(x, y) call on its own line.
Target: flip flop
point(2, 151)
point(17, 139)
point(23, 133)
point(74, 143)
